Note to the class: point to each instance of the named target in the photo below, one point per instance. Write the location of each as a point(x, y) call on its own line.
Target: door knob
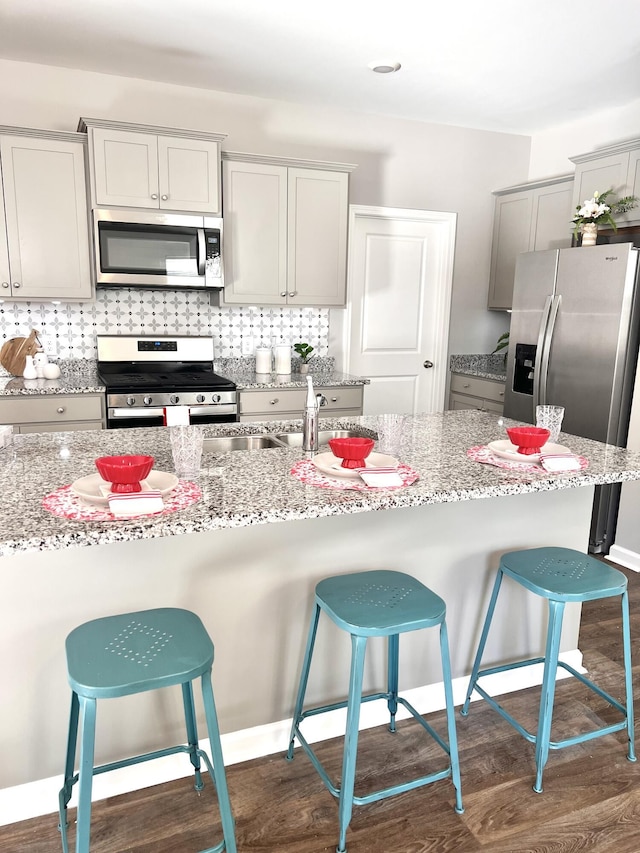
point(428, 364)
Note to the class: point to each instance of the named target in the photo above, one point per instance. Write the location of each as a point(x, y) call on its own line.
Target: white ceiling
point(508, 65)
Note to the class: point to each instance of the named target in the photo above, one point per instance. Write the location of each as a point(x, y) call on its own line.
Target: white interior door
point(396, 324)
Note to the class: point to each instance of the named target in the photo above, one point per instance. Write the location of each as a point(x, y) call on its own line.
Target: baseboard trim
point(624, 557)
point(34, 799)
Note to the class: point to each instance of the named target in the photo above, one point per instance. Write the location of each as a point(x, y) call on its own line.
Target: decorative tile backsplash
point(71, 328)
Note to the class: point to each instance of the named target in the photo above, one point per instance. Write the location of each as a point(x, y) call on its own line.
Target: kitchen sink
point(223, 443)
point(294, 439)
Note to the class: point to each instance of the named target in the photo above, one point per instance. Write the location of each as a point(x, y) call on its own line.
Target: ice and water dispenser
point(524, 367)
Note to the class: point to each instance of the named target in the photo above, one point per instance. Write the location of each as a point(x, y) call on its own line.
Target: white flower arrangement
point(597, 212)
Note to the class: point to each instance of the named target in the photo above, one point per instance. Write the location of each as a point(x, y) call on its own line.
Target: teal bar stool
point(133, 653)
point(559, 575)
point(376, 604)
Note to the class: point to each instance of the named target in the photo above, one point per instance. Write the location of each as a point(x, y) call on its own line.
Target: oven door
point(141, 249)
point(119, 418)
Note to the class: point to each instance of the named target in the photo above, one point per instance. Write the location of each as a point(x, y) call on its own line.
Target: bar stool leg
point(451, 722)
point(628, 678)
point(85, 776)
point(304, 678)
point(556, 613)
point(345, 807)
point(392, 678)
point(192, 732)
point(483, 640)
point(65, 792)
point(219, 776)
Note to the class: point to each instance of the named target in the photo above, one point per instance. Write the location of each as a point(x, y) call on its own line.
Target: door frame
point(340, 320)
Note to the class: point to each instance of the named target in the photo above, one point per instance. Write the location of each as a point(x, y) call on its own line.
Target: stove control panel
point(202, 398)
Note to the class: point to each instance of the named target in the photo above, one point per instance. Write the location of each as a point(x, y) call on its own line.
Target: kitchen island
point(246, 557)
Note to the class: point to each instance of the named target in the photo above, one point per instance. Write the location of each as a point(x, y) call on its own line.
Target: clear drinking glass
point(186, 448)
point(550, 417)
point(390, 428)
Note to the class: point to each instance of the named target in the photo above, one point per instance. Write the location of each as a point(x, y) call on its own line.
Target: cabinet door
point(551, 224)
point(46, 217)
point(511, 234)
point(633, 187)
point(317, 237)
point(188, 175)
point(5, 272)
point(126, 168)
point(255, 236)
point(602, 174)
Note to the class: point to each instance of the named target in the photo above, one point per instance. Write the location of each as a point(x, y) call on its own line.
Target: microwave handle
point(201, 251)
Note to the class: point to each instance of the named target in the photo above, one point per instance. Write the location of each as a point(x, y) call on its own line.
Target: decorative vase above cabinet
point(285, 230)
point(158, 168)
point(529, 217)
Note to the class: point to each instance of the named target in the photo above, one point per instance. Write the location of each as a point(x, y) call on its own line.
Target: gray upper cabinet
point(44, 228)
point(615, 167)
point(285, 230)
point(528, 217)
point(157, 168)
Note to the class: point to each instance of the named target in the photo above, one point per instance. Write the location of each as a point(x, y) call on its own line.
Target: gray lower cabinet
point(277, 404)
point(472, 392)
point(53, 412)
point(528, 218)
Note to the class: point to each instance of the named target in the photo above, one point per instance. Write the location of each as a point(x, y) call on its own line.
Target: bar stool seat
point(134, 653)
point(560, 575)
point(376, 604)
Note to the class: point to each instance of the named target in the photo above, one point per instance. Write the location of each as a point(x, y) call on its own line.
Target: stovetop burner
point(116, 379)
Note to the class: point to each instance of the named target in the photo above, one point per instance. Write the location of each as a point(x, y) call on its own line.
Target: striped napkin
point(557, 462)
point(380, 477)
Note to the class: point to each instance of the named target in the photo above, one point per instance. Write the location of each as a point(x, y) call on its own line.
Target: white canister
point(263, 360)
point(29, 371)
point(40, 360)
point(283, 359)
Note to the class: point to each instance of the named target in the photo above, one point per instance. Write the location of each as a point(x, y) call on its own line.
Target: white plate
point(325, 462)
point(507, 450)
point(88, 488)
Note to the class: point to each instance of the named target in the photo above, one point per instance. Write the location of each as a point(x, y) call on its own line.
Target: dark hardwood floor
point(591, 798)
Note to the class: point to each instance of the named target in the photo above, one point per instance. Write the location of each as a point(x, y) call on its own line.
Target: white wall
point(551, 149)
point(400, 163)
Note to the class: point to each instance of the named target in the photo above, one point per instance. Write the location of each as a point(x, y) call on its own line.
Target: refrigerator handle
point(544, 320)
point(546, 349)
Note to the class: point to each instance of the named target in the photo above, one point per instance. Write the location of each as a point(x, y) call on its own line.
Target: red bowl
point(124, 472)
point(528, 440)
point(352, 451)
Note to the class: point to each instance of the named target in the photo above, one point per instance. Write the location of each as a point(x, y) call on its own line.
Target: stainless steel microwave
point(136, 248)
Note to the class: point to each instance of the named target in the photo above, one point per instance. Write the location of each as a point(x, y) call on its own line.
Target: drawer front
point(51, 409)
point(60, 427)
point(273, 401)
point(341, 397)
point(475, 387)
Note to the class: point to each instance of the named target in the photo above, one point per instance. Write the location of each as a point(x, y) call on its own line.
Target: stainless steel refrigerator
point(574, 342)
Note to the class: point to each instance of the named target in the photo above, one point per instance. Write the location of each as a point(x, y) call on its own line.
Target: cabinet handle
point(293, 293)
point(164, 197)
point(467, 385)
point(334, 399)
point(60, 410)
point(284, 294)
point(5, 284)
point(502, 393)
point(16, 284)
point(274, 401)
point(154, 196)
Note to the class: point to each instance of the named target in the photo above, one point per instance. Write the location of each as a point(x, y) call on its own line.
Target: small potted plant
point(304, 351)
point(599, 210)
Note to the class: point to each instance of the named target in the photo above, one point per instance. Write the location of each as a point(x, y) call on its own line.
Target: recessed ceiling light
point(385, 67)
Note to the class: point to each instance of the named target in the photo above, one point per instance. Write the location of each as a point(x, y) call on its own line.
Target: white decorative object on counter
point(51, 371)
point(6, 435)
point(40, 361)
point(30, 371)
point(263, 360)
point(283, 360)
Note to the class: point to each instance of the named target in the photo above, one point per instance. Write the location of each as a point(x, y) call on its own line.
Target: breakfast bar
point(246, 555)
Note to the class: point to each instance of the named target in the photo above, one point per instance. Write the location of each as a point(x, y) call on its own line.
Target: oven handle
point(225, 409)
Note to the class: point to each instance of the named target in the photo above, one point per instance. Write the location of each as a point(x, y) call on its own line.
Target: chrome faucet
point(310, 419)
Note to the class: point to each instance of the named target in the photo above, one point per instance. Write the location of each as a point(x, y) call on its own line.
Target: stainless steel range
point(145, 375)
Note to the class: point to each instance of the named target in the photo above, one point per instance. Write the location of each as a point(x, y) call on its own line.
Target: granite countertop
point(242, 488)
point(16, 386)
point(249, 379)
point(483, 366)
